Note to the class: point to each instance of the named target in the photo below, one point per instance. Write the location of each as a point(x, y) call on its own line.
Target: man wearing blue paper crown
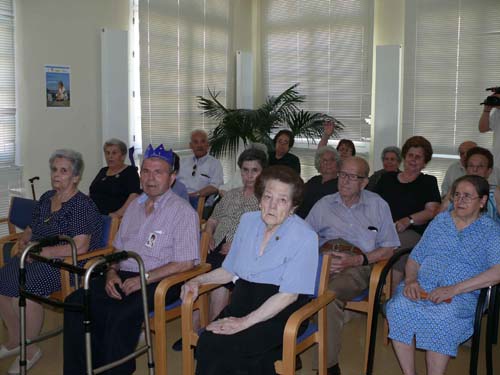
point(164, 230)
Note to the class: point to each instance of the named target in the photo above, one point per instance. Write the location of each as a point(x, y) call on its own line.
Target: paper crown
point(159, 152)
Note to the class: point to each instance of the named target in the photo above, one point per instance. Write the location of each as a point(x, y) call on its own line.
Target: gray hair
point(323, 150)
point(360, 161)
point(393, 149)
point(116, 142)
point(198, 131)
point(74, 157)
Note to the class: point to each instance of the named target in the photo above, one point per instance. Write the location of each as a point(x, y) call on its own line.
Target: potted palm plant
point(257, 125)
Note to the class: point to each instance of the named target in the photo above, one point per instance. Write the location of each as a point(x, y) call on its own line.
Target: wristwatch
point(411, 220)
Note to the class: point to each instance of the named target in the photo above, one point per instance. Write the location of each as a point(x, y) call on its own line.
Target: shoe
point(334, 370)
point(177, 346)
point(14, 367)
point(4, 352)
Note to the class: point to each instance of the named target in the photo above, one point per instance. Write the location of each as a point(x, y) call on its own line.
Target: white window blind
point(450, 57)
point(184, 50)
point(326, 46)
point(7, 84)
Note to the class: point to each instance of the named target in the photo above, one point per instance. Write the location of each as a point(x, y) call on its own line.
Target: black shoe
point(298, 363)
point(334, 370)
point(177, 346)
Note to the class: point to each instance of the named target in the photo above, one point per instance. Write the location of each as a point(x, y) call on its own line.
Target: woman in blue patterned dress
point(63, 210)
point(457, 255)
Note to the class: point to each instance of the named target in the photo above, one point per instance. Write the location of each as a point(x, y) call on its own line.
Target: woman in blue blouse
point(433, 308)
point(273, 262)
point(63, 210)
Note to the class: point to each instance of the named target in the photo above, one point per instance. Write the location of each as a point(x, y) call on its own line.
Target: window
point(326, 46)
point(184, 50)
point(451, 56)
point(7, 85)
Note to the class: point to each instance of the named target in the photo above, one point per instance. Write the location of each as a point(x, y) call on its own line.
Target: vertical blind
point(184, 50)
point(451, 56)
point(7, 84)
point(326, 46)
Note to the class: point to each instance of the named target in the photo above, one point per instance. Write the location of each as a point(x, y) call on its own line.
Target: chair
point(365, 301)
point(109, 229)
point(163, 314)
point(487, 302)
point(198, 203)
point(20, 212)
point(292, 345)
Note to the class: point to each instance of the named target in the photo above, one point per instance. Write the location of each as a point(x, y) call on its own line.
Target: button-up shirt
point(169, 234)
point(208, 171)
point(367, 224)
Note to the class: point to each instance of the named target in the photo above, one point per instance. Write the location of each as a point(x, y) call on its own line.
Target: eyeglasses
point(350, 176)
point(465, 197)
point(194, 170)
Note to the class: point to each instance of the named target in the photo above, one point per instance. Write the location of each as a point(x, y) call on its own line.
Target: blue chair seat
point(311, 329)
point(172, 306)
point(361, 297)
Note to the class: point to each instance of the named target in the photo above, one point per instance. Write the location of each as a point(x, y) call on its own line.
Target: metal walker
point(97, 268)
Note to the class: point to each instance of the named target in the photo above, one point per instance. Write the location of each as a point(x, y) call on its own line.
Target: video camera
point(492, 101)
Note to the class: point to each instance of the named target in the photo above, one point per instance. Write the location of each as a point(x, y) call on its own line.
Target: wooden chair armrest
point(168, 282)
point(90, 254)
point(4, 220)
point(10, 237)
point(305, 312)
point(376, 271)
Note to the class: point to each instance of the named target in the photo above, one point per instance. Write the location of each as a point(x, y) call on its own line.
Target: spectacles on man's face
point(194, 170)
point(350, 176)
point(465, 197)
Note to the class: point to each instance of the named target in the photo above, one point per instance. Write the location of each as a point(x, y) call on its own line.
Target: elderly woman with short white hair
point(391, 160)
point(117, 184)
point(326, 162)
point(64, 210)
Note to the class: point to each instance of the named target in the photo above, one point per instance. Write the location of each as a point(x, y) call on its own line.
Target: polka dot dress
point(446, 257)
point(77, 216)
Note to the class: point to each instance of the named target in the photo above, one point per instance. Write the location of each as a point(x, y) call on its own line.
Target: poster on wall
point(57, 86)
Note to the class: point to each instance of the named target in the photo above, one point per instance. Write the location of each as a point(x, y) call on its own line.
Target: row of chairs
point(369, 302)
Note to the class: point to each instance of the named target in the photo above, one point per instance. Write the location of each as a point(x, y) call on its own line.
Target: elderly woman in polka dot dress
point(63, 210)
point(433, 308)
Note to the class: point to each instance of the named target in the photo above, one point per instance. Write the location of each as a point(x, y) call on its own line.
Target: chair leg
point(160, 347)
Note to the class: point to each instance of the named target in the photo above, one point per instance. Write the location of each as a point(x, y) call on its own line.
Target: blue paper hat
point(159, 152)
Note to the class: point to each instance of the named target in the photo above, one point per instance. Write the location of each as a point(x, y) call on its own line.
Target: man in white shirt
point(201, 173)
point(457, 169)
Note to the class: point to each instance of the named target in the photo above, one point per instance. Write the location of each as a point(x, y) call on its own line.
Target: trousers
point(115, 326)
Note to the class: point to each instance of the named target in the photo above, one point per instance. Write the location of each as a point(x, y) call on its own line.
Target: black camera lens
point(492, 101)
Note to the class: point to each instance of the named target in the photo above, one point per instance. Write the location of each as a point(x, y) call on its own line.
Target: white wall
point(62, 32)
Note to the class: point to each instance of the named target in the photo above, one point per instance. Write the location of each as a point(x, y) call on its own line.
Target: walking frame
point(97, 267)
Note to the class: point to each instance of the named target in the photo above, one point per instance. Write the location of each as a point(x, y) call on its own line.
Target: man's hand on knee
point(112, 280)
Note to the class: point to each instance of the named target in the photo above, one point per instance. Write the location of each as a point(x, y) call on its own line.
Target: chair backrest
point(322, 274)
point(21, 211)
point(109, 228)
point(204, 243)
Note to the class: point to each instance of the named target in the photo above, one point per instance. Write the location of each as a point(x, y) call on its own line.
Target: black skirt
point(254, 350)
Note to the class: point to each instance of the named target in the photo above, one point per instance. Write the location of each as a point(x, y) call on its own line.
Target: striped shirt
point(169, 234)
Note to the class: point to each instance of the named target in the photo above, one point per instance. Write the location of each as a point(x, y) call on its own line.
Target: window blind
point(184, 50)
point(450, 57)
point(326, 46)
point(7, 84)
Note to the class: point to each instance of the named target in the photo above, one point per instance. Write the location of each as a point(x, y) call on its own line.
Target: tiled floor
point(351, 357)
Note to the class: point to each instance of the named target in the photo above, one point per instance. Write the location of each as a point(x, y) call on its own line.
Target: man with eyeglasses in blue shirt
point(363, 220)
